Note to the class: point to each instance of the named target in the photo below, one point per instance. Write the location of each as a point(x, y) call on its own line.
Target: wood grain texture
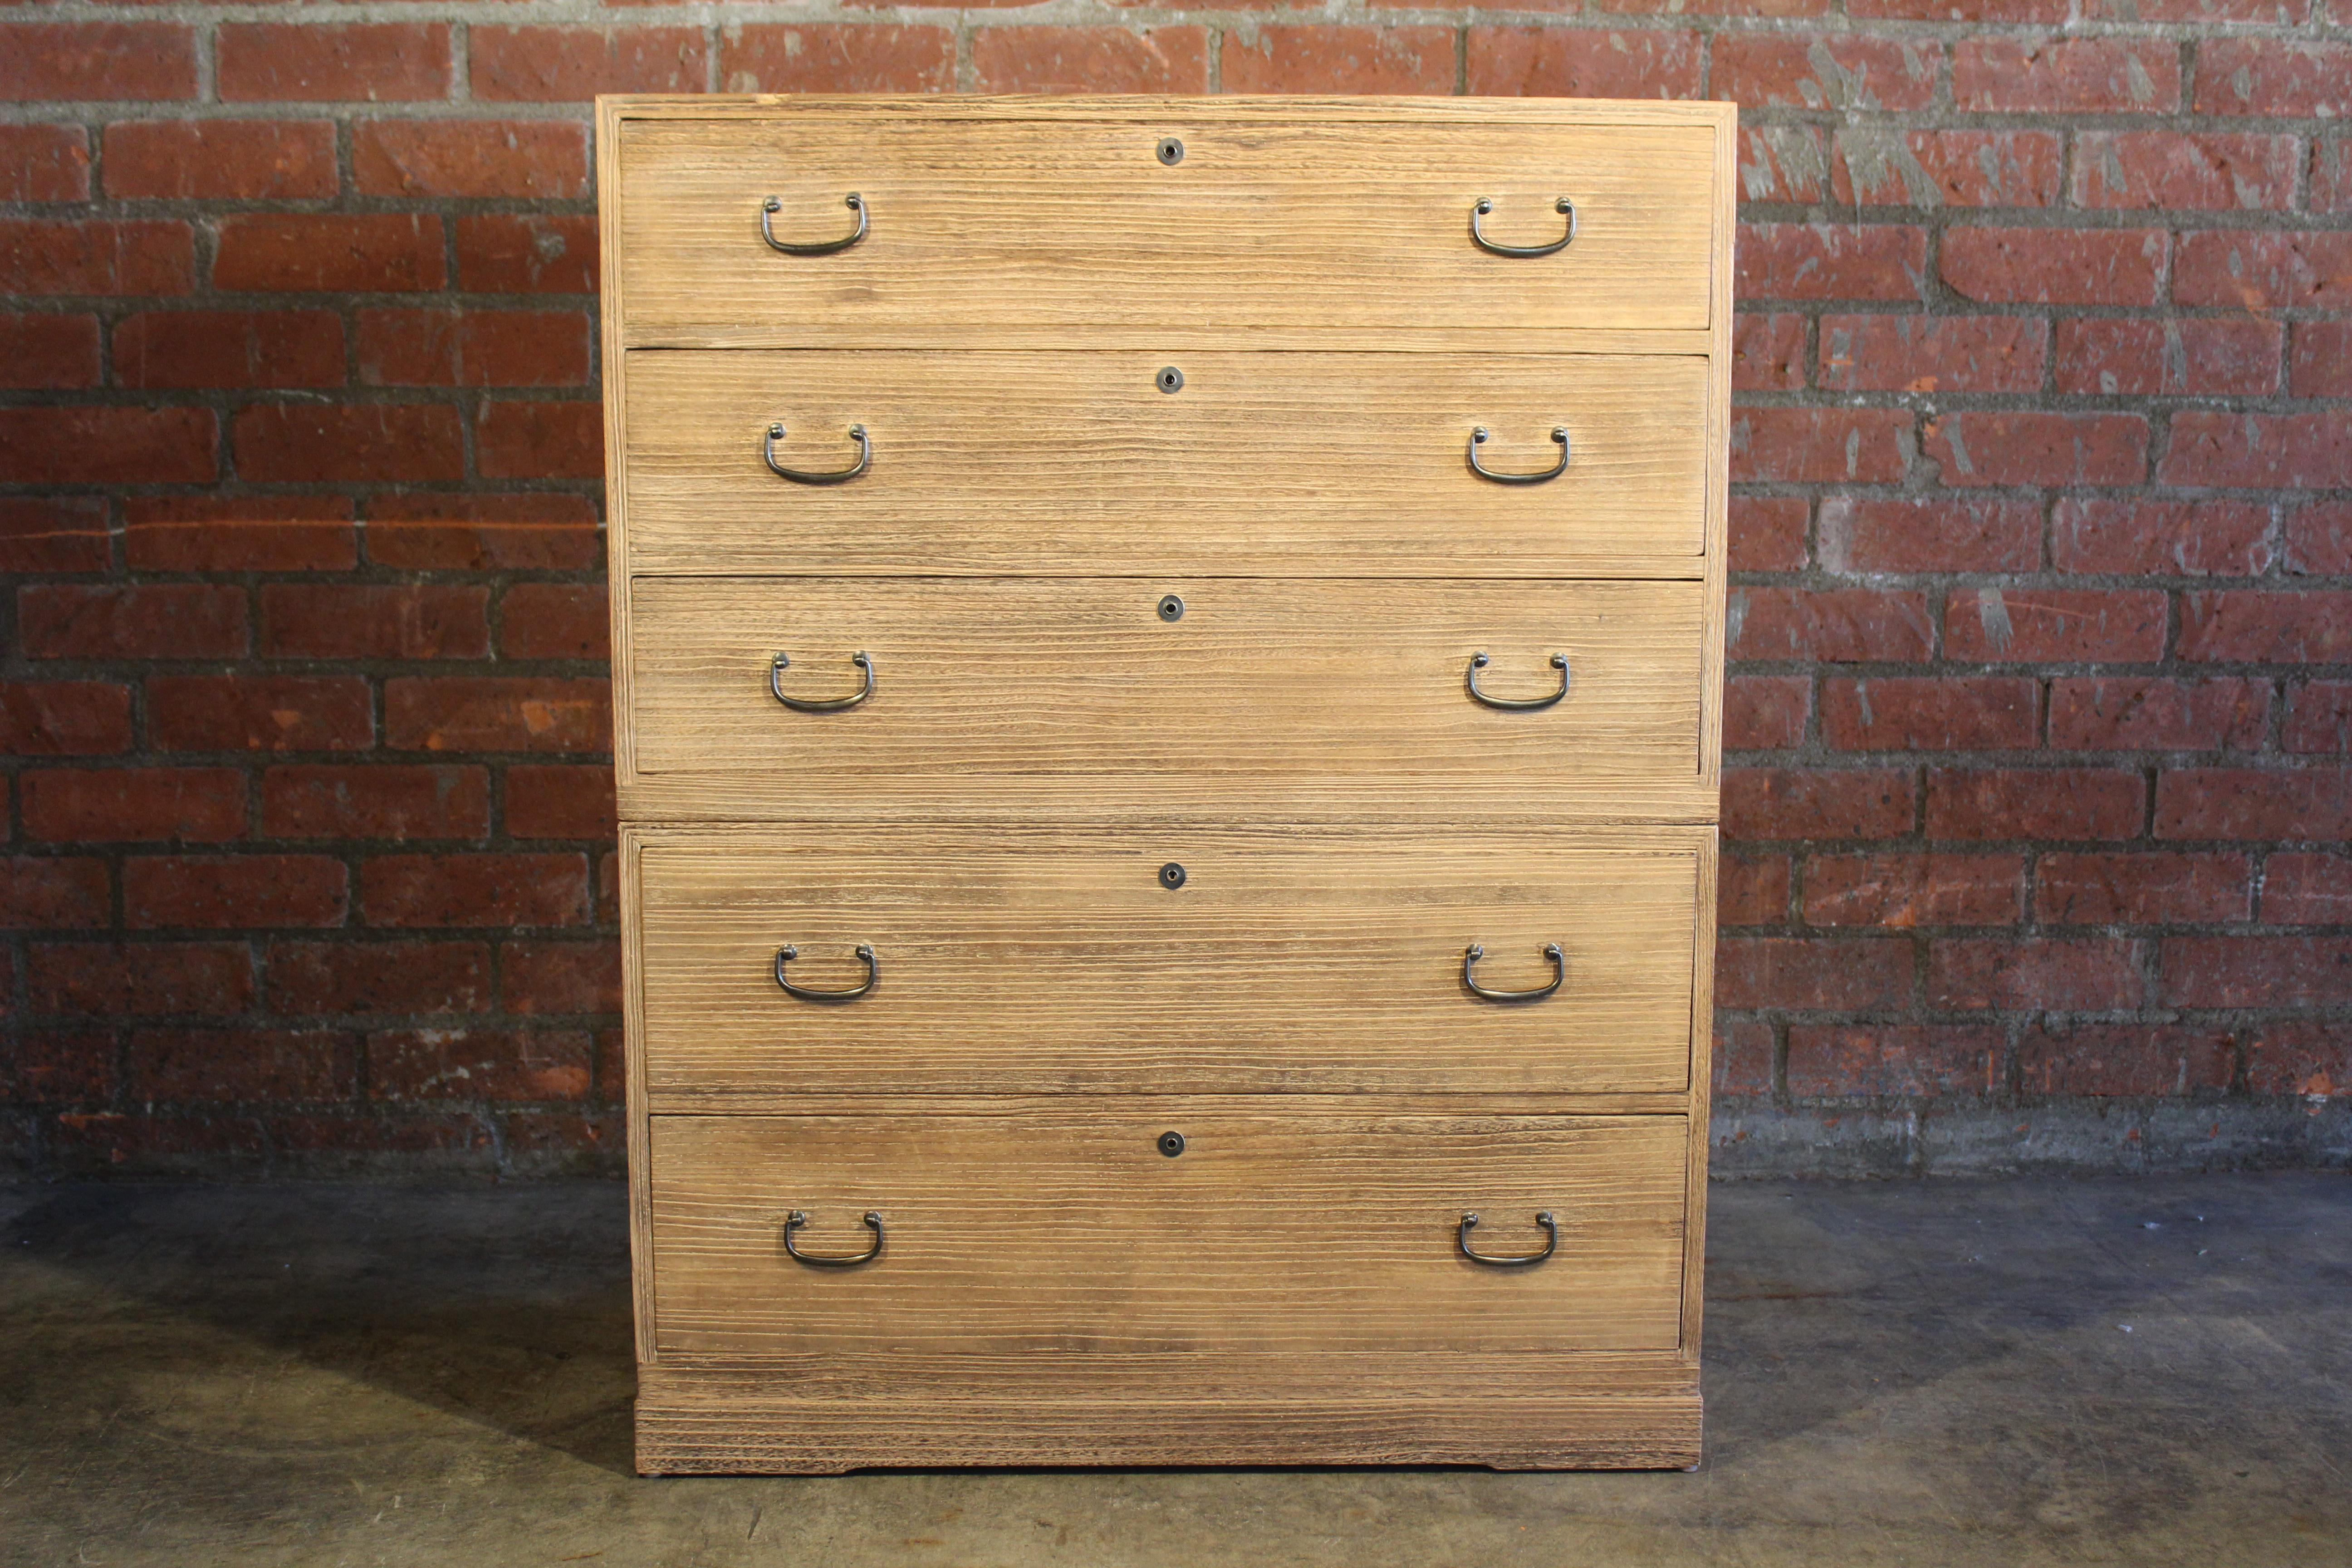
point(1077, 223)
point(1293, 960)
point(1322, 464)
point(1074, 699)
point(1071, 1233)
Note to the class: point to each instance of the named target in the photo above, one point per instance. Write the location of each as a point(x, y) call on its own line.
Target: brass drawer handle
point(798, 1218)
point(821, 704)
point(1527, 1260)
point(775, 204)
point(836, 475)
point(1478, 439)
point(786, 955)
point(1482, 206)
point(1470, 976)
point(1517, 704)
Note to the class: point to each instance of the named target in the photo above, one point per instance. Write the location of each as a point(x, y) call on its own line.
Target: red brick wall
point(2041, 610)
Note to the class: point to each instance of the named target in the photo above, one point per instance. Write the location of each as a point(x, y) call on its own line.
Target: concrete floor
point(2136, 1371)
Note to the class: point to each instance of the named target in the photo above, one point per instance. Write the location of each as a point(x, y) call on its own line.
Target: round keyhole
point(1171, 608)
point(1172, 151)
point(1171, 379)
point(1172, 1143)
point(1171, 876)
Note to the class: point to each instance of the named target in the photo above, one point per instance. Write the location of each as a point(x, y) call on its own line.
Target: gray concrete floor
point(2138, 1371)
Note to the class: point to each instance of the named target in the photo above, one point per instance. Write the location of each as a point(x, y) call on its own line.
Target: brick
point(1743, 1058)
point(232, 892)
point(2150, 713)
point(48, 349)
point(1900, 891)
point(1988, 805)
point(64, 718)
point(343, 978)
point(2033, 447)
point(2302, 889)
point(1768, 533)
point(1840, 626)
point(1933, 353)
point(1765, 712)
point(1350, 59)
point(559, 801)
point(1820, 445)
point(149, 1143)
point(1831, 261)
point(260, 713)
point(357, 253)
point(378, 800)
point(499, 890)
point(129, 62)
point(2320, 364)
point(1812, 974)
point(1752, 890)
point(2306, 805)
point(1930, 714)
point(151, 620)
point(229, 348)
point(2319, 718)
point(2331, 176)
point(482, 533)
point(142, 256)
point(379, 442)
point(541, 977)
point(1894, 166)
point(1839, 72)
point(1816, 803)
point(825, 58)
point(473, 348)
point(2032, 974)
point(519, 159)
point(2055, 265)
point(1883, 1061)
point(2172, 171)
point(2284, 78)
point(2250, 626)
point(555, 620)
point(514, 440)
point(371, 63)
point(2257, 971)
point(233, 1066)
point(572, 65)
point(44, 164)
point(57, 893)
point(96, 445)
point(239, 533)
point(2306, 1056)
point(1999, 74)
point(1091, 60)
point(2292, 451)
point(2082, 888)
point(53, 1066)
point(2278, 12)
point(527, 253)
point(221, 160)
point(102, 978)
point(1768, 352)
point(1783, 163)
point(2262, 269)
point(478, 1064)
point(2124, 1060)
point(2161, 538)
point(2037, 625)
point(53, 534)
point(1755, 8)
point(199, 806)
point(2170, 358)
point(1555, 62)
point(1873, 535)
point(2319, 539)
point(351, 620)
point(493, 713)
point(1961, 10)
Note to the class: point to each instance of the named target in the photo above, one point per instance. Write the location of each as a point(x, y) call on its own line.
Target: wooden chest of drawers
point(1168, 665)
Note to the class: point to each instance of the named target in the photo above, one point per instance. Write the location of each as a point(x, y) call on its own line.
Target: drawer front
point(1005, 224)
point(1045, 960)
point(1071, 698)
point(1352, 465)
point(1072, 1233)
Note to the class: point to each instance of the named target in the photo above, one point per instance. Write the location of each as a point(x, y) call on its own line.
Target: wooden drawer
point(1338, 464)
point(1077, 698)
point(1071, 1233)
point(1049, 961)
point(980, 222)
